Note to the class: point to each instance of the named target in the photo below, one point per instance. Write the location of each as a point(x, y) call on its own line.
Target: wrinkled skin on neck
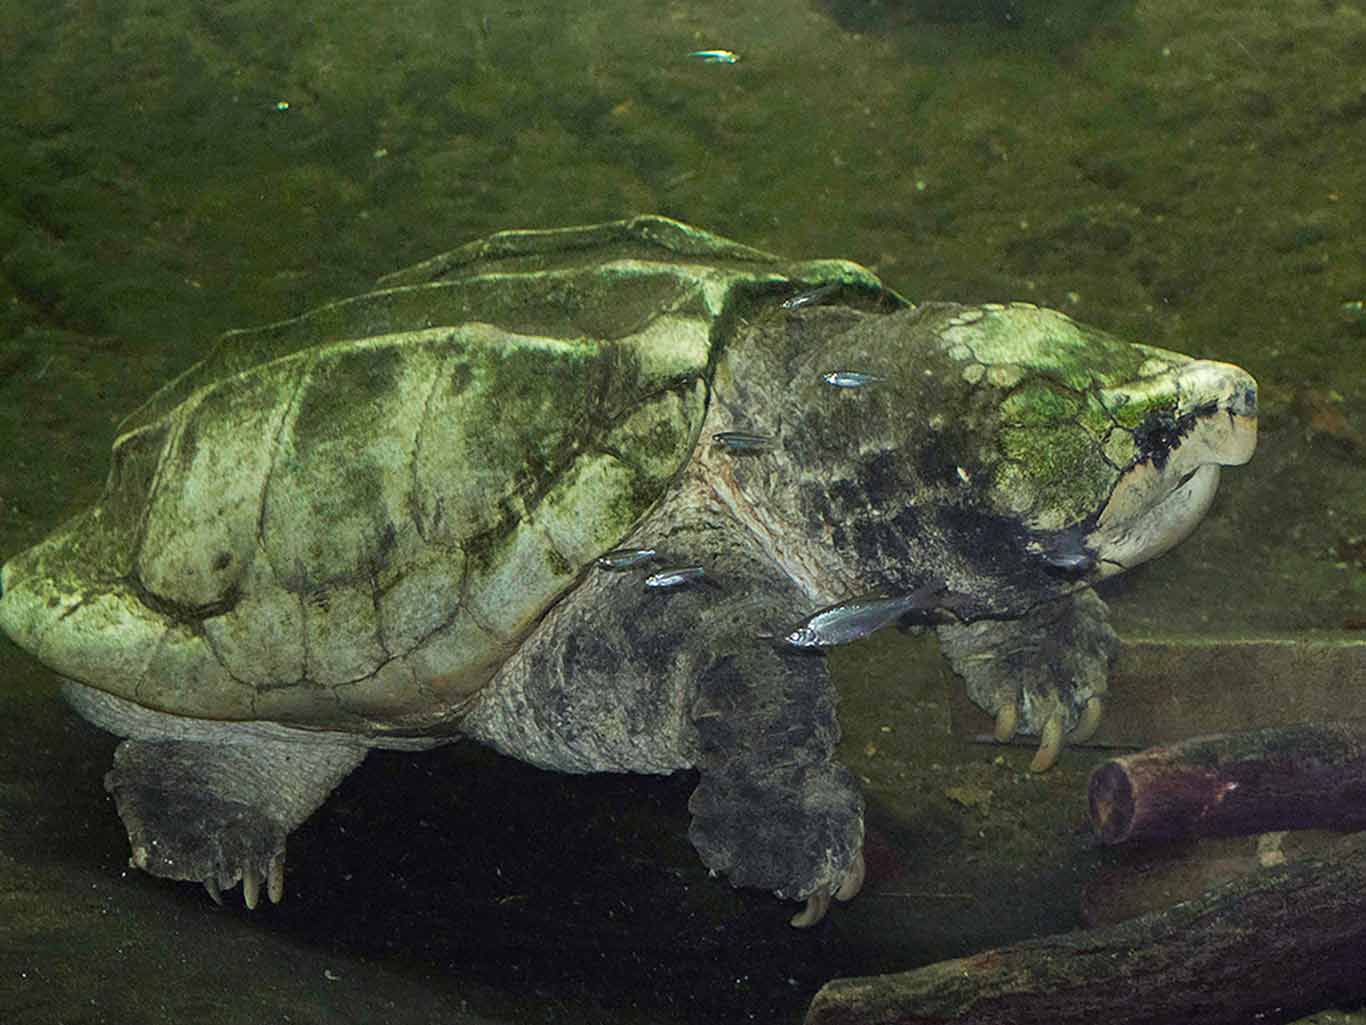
point(1007, 451)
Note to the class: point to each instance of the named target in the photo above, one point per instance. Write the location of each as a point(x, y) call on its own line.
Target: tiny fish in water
point(743, 441)
point(1066, 553)
point(849, 378)
point(626, 558)
point(811, 297)
point(715, 56)
point(676, 576)
point(848, 621)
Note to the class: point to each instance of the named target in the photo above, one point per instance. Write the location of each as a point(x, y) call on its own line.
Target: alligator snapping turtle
point(382, 524)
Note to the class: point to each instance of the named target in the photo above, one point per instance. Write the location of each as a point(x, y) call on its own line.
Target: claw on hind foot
point(1050, 745)
point(275, 881)
point(251, 884)
point(251, 888)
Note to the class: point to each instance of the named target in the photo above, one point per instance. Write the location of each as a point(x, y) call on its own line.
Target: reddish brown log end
point(1112, 803)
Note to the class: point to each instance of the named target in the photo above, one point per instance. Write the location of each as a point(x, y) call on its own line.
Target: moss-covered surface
point(1184, 173)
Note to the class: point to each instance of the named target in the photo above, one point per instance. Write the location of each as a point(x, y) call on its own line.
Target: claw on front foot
point(1007, 719)
point(1050, 745)
point(853, 882)
point(816, 907)
point(275, 880)
point(1089, 721)
point(819, 903)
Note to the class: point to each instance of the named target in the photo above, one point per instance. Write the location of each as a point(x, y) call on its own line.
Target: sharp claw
point(1089, 721)
point(816, 907)
point(853, 880)
point(211, 885)
point(1007, 718)
point(1050, 745)
point(251, 888)
point(275, 880)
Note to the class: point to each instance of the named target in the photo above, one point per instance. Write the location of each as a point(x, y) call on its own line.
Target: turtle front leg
point(1042, 675)
point(625, 676)
point(218, 813)
point(773, 810)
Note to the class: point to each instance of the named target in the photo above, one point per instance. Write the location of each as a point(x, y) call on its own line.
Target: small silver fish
point(849, 378)
point(743, 441)
point(715, 56)
point(852, 620)
point(811, 297)
point(626, 558)
point(675, 576)
point(1066, 553)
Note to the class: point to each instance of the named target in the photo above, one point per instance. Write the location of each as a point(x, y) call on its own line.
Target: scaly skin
point(378, 522)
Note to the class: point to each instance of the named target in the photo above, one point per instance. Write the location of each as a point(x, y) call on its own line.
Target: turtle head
point(1107, 453)
point(1173, 431)
point(1019, 450)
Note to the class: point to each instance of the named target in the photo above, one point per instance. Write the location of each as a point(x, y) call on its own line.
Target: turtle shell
point(350, 519)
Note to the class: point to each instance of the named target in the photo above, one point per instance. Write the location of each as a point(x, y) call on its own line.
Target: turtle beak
point(1158, 501)
point(1228, 435)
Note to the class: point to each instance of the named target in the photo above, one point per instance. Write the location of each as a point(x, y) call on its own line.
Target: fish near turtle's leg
point(1043, 674)
point(773, 809)
point(624, 677)
point(214, 802)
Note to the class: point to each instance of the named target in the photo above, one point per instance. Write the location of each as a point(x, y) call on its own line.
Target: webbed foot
point(1043, 675)
point(199, 837)
point(218, 814)
point(797, 832)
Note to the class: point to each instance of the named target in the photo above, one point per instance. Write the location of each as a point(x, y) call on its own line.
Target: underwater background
point(1188, 174)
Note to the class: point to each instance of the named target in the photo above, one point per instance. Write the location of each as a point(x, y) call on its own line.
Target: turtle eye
point(1244, 403)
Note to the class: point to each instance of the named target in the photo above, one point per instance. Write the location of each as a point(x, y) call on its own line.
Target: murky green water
point(1185, 173)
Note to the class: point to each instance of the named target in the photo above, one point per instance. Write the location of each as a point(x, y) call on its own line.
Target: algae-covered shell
point(349, 520)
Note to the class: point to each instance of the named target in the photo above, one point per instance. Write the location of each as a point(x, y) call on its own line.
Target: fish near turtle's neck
point(774, 492)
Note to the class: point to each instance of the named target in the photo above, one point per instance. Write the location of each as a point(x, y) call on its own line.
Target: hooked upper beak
point(1155, 507)
point(1229, 440)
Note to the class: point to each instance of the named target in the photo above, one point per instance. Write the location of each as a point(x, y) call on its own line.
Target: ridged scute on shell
point(351, 519)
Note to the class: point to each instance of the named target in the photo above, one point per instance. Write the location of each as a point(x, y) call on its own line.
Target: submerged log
point(1264, 948)
point(1285, 777)
point(1156, 876)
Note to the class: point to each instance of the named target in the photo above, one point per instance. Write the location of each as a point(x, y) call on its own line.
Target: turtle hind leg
point(218, 813)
